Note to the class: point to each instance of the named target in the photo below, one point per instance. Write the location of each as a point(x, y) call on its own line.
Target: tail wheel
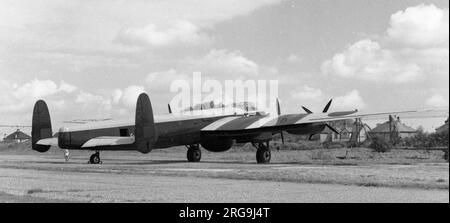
point(194, 154)
point(263, 154)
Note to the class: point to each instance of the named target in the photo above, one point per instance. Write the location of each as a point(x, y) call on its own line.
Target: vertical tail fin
point(145, 131)
point(41, 126)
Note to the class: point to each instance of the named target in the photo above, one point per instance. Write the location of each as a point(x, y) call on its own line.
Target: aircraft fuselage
point(170, 133)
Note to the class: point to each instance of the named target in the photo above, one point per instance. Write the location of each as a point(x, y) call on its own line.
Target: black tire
point(95, 159)
point(194, 154)
point(263, 155)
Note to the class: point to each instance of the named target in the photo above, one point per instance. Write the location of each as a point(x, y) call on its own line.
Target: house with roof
point(392, 130)
point(16, 137)
point(443, 127)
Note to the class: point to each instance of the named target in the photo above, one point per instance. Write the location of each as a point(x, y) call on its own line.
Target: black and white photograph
point(253, 102)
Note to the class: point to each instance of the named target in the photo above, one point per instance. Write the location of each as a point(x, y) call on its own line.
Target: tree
point(379, 144)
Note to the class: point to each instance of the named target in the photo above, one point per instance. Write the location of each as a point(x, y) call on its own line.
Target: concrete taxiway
point(131, 179)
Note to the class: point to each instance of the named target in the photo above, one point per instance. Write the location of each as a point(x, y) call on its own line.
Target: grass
point(309, 153)
point(346, 166)
point(9, 198)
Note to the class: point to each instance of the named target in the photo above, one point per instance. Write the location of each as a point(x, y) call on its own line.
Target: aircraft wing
point(108, 141)
point(258, 123)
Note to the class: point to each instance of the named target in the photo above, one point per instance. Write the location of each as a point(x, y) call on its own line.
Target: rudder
point(145, 131)
point(41, 126)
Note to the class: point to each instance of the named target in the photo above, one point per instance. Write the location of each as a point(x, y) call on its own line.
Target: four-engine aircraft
point(214, 131)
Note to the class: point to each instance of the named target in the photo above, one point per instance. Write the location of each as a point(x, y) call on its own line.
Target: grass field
point(344, 166)
point(280, 154)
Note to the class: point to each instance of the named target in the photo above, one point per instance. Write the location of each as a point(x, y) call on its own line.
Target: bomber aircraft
point(214, 131)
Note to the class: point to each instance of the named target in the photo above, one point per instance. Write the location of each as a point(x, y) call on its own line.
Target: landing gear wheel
point(95, 158)
point(263, 154)
point(194, 154)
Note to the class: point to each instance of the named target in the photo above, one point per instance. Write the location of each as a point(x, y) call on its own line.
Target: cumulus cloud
point(367, 60)
point(420, 26)
point(293, 58)
point(65, 99)
point(225, 63)
point(67, 87)
point(306, 93)
point(415, 47)
point(436, 100)
point(178, 33)
point(40, 88)
point(93, 100)
point(111, 103)
point(130, 95)
point(161, 80)
point(20, 98)
point(27, 19)
point(351, 100)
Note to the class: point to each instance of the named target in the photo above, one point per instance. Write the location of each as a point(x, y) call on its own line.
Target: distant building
point(443, 127)
point(347, 130)
point(393, 130)
point(16, 137)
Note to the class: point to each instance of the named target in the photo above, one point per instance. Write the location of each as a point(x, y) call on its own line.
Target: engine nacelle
point(217, 144)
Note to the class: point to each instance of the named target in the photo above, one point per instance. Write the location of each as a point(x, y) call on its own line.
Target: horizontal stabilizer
point(48, 142)
point(108, 141)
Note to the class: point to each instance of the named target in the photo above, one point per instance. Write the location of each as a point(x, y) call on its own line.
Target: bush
point(380, 145)
point(425, 140)
point(441, 139)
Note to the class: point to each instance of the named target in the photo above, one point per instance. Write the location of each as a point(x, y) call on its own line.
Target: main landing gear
point(194, 154)
point(263, 154)
point(95, 158)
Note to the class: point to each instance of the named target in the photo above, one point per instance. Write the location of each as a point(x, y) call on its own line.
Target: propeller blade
point(278, 107)
point(170, 109)
point(279, 113)
point(325, 110)
point(307, 110)
point(332, 128)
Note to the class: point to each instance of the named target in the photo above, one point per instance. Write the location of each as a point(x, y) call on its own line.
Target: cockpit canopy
point(246, 106)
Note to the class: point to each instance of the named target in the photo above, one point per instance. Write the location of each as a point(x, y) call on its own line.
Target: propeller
point(279, 113)
point(325, 110)
point(170, 109)
point(307, 110)
point(332, 128)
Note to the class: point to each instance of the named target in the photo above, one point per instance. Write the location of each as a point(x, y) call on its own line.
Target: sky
point(91, 59)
